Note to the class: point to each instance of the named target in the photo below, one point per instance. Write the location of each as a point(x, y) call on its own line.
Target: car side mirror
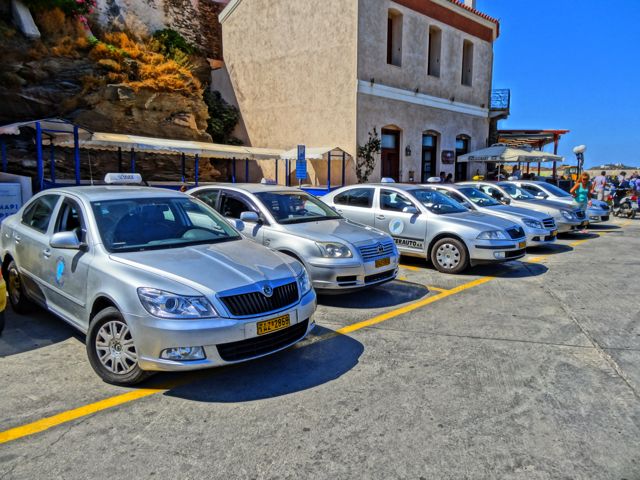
point(505, 201)
point(66, 240)
point(250, 217)
point(412, 210)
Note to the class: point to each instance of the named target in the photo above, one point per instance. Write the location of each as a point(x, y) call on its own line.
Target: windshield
point(437, 202)
point(479, 198)
point(557, 191)
point(136, 224)
point(296, 207)
point(516, 192)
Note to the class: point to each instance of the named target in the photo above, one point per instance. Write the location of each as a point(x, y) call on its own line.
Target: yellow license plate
point(273, 325)
point(522, 244)
point(383, 262)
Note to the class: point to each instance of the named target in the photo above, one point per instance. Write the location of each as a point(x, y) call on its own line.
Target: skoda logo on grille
point(267, 290)
point(380, 248)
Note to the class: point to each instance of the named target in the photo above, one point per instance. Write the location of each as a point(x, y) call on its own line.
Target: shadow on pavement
point(387, 295)
point(34, 330)
point(603, 226)
point(578, 236)
point(549, 249)
point(515, 269)
point(322, 357)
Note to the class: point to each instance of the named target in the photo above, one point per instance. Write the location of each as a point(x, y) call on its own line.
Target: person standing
point(582, 191)
point(449, 178)
point(599, 184)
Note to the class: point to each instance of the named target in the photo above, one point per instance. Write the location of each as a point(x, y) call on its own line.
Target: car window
point(38, 214)
point(232, 206)
point(455, 195)
point(210, 197)
point(394, 201)
point(70, 219)
point(532, 190)
point(557, 191)
point(355, 197)
point(491, 191)
point(479, 198)
point(517, 192)
point(436, 202)
point(142, 224)
point(296, 207)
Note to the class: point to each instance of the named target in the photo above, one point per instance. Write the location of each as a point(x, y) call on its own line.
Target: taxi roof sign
point(123, 178)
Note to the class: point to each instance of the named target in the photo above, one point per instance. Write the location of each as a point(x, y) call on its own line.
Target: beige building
point(327, 73)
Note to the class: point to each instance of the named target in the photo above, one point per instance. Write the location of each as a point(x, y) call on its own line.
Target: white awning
point(52, 128)
point(506, 154)
point(315, 153)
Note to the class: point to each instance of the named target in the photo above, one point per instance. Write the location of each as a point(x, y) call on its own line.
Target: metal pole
point(76, 154)
point(132, 161)
point(52, 162)
point(39, 156)
point(329, 173)
point(276, 171)
point(233, 170)
point(183, 167)
point(119, 159)
point(287, 172)
point(3, 148)
point(539, 166)
point(556, 139)
point(197, 168)
point(246, 170)
point(344, 159)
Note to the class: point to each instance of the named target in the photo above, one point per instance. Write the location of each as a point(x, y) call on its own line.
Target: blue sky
point(572, 64)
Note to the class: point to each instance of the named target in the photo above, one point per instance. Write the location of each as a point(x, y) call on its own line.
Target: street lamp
point(579, 151)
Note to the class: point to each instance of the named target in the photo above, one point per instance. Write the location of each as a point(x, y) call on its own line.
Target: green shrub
point(169, 41)
point(223, 118)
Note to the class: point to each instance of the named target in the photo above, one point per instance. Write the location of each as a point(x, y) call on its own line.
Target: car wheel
point(111, 349)
point(449, 255)
point(631, 213)
point(17, 297)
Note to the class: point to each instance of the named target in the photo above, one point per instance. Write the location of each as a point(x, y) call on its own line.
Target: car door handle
point(17, 238)
point(380, 217)
point(46, 253)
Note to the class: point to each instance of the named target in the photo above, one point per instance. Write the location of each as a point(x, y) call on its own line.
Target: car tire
point(17, 296)
point(111, 349)
point(449, 255)
point(631, 213)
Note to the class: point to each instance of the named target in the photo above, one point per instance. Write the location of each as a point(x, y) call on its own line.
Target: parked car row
point(166, 281)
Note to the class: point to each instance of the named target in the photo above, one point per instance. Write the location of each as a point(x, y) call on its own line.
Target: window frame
point(81, 217)
point(468, 49)
point(348, 193)
point(33, 205)
point(403, 195)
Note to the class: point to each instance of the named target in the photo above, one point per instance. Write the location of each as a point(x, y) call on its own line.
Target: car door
point(407, 229)
point(31, 241)
point(231, 204)
point(66, 271)
point(356, 204)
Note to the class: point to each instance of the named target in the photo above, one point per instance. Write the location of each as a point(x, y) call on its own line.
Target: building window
point(435, 46)
point(467, 62)
point(462, 148)
point(394, 38)
point(429, 156)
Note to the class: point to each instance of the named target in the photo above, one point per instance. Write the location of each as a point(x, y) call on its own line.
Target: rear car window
point(356, 197)
point(38, 214)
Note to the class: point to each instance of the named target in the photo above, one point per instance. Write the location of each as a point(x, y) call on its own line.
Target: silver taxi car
point(597, 212)
point(426, 223)
point(339, 254)
point(539, 227)
point(157, 280)
point(567, 218)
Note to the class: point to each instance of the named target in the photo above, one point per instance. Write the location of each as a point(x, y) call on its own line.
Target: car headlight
point(170, 305)
point(334, 250)
point(568, 215)
point(304, 284)
point(531, 223)
point(492, 235)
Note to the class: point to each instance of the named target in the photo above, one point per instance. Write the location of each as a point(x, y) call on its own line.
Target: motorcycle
point(624, 203)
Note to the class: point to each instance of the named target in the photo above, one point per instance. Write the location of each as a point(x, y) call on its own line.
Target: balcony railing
point(500, 99)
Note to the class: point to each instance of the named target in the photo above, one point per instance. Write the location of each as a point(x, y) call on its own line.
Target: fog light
point(183, 353)
point(499, 255)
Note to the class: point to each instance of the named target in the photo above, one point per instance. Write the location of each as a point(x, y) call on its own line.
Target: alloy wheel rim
point(115, 348)
point(448, 256)
point(14, 286)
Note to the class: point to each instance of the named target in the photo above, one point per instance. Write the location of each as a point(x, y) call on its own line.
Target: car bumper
point(484, 251)
point(565, 226)
point(596, 215)
point(537, 238)
point(225, 341)
point(336, 277)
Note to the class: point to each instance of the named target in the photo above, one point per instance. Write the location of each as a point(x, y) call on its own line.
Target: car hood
point(215, 267)
point(341, 230)
point(479, 220)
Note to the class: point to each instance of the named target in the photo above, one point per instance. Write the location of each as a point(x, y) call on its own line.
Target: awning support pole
point(197, 168)
point(286, 172)
point(329, 173)
point(344, 160)
point(132, 161)
point(233, 170)
point(183, 168)
point(539, 166)
point(246, 170)
point(556, 139)
point(276, 171)
point(76, 154)
point(39, 156)
point(119, 159)
point(52, 162)
point(3, 148)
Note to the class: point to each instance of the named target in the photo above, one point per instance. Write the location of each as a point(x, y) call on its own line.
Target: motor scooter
point(624, 203)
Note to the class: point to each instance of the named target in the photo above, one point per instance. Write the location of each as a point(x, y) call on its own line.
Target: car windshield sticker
point(396, 226)
point(60, 271)
point(409, 242)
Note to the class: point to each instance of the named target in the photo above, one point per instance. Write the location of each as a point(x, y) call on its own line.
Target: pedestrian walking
point(582, 191)
point(599, 185)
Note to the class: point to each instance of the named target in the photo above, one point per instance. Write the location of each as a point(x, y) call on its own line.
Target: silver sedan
point(339, 254)
point(427, 223)
point(539, 227)
point(156, 280)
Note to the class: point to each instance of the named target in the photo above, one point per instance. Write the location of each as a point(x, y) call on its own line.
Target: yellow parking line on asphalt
point(412, 268)
point(74, 414)
point(437, 289)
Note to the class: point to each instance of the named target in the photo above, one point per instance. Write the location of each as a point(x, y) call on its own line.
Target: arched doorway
point(390, 153)
point(429, 155)
point(462, 148)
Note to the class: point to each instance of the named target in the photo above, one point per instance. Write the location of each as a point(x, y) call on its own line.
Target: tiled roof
point(460, 3)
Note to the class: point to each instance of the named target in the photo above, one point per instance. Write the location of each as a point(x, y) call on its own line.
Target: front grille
point(580, 214)
point(347, 280)
point(377, 277)
point(380, 249)
point(549, 223)
point(515, 253)
point(256, 346)
point(516, 232)
point(604, 207)
point(549, 238)
point(256, 303)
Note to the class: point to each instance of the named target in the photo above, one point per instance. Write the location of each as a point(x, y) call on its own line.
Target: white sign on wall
point(10, 199)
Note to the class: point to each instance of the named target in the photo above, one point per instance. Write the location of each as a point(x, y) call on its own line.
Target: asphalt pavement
point(526, 371)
